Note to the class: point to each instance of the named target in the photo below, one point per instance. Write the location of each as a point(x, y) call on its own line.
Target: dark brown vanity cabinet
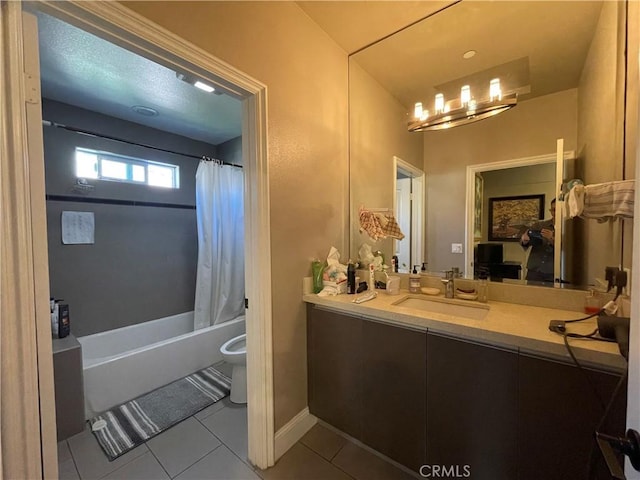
point(394, 388)
point(558, 415)
point(367, 379)
point(334, 359)
point(479, 411)
point(472, 408)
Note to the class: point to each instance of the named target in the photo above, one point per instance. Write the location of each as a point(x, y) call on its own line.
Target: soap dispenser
point(414, 280)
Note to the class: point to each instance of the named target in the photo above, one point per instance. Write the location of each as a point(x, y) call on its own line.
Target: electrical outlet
point(456, 248)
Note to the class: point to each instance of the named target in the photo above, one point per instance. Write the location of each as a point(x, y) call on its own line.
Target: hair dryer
point(615, 328)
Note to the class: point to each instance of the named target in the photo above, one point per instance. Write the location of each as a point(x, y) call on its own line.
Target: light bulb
point(417, 112)
point(465, 95)
point(439, 107)
point(495, 93)
point(203, 86)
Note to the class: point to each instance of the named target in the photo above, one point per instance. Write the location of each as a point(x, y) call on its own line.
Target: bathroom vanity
point(496, 392)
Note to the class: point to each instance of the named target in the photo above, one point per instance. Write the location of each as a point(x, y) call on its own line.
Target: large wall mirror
point(573, 54)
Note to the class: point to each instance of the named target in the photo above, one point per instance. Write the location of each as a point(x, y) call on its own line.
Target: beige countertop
point(506, 325)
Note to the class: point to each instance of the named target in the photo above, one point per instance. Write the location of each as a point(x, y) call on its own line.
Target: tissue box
point(340, 287)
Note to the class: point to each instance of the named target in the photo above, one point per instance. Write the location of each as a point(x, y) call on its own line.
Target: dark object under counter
point(69, 386)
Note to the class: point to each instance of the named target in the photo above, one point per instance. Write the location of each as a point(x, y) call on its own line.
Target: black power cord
point(558, 326)
point(589, 336)
point(603, 419)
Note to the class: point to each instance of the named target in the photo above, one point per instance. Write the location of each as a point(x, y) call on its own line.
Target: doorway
point(409, 208)
point(113, 23)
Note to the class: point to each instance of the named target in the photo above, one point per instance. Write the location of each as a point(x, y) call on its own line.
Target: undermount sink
point(474, 311)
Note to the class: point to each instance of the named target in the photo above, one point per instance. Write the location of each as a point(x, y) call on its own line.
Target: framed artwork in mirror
point(509, 217)
point(477, 208)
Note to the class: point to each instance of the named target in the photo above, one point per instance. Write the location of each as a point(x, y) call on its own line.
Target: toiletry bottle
point(395, 263)
point(483, 288)
point(55, 318)
point(316, 271)
point(351, 278)
point(414, 280)
point(53, 305)
point(372, 278)
point(592, 303)
point(64, 327)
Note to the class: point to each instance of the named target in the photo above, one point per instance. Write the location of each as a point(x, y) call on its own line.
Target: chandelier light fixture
point(462, 110)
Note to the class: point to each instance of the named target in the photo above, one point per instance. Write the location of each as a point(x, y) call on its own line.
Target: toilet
point(234, 352)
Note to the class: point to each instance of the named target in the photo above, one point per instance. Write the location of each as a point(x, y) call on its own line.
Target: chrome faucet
point(448, 283)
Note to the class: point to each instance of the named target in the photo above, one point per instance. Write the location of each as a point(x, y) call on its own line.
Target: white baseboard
point(293, 431)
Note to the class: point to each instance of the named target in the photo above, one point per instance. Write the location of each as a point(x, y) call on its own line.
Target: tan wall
point(378, 132)
point(306, 76)
point(531, 128)
point(600, 139)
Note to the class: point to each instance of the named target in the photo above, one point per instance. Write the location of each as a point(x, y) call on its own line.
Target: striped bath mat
point(128, 425)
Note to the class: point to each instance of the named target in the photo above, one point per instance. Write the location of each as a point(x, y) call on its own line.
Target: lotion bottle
point(414, 280)
point(351, 278)
point(372, 278)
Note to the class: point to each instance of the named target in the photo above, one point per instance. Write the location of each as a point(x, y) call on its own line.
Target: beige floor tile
point(210, 410)
point(63, 451)
point(363, 465)
point(301, 463)
point(221, 464)
point(91, 461)
point(145, 467)
point(230, 426)
point(182, 445)
point(323, 441)
point(67, 470)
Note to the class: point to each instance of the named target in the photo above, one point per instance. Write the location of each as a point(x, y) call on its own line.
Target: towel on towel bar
point(605, 201)
point(379, 225)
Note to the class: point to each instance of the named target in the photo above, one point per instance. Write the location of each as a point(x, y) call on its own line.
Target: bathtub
point(121, 364)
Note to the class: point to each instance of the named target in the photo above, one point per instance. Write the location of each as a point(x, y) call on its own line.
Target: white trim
point(558, 226)
point(470, 194)
point(21, 282)
point(416, 250)
point(120, 25)
point(293, 431)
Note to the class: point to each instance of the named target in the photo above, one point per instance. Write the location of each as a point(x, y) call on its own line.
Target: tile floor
point(213, 445)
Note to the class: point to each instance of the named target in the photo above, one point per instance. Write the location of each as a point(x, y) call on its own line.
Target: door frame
point(123, 27)
point(470, 194)
point(418, 208)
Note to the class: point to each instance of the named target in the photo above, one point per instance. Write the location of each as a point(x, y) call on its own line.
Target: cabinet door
point(472, 408)
point(334, 353)
point(394, 392)
point(559, 413)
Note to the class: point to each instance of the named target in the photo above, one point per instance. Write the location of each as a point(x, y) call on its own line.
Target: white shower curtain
point(220, 217)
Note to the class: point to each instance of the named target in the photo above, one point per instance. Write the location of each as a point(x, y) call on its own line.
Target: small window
point(109, 166)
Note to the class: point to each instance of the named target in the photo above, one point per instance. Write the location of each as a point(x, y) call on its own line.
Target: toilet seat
point(235, 346)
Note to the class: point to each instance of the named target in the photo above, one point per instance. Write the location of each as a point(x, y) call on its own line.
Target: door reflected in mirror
point(409, 210)
point(491, 182)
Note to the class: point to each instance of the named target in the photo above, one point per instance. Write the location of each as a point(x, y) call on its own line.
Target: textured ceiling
point(83, 70)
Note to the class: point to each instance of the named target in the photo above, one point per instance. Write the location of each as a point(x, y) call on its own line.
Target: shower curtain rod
point(89, 133)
